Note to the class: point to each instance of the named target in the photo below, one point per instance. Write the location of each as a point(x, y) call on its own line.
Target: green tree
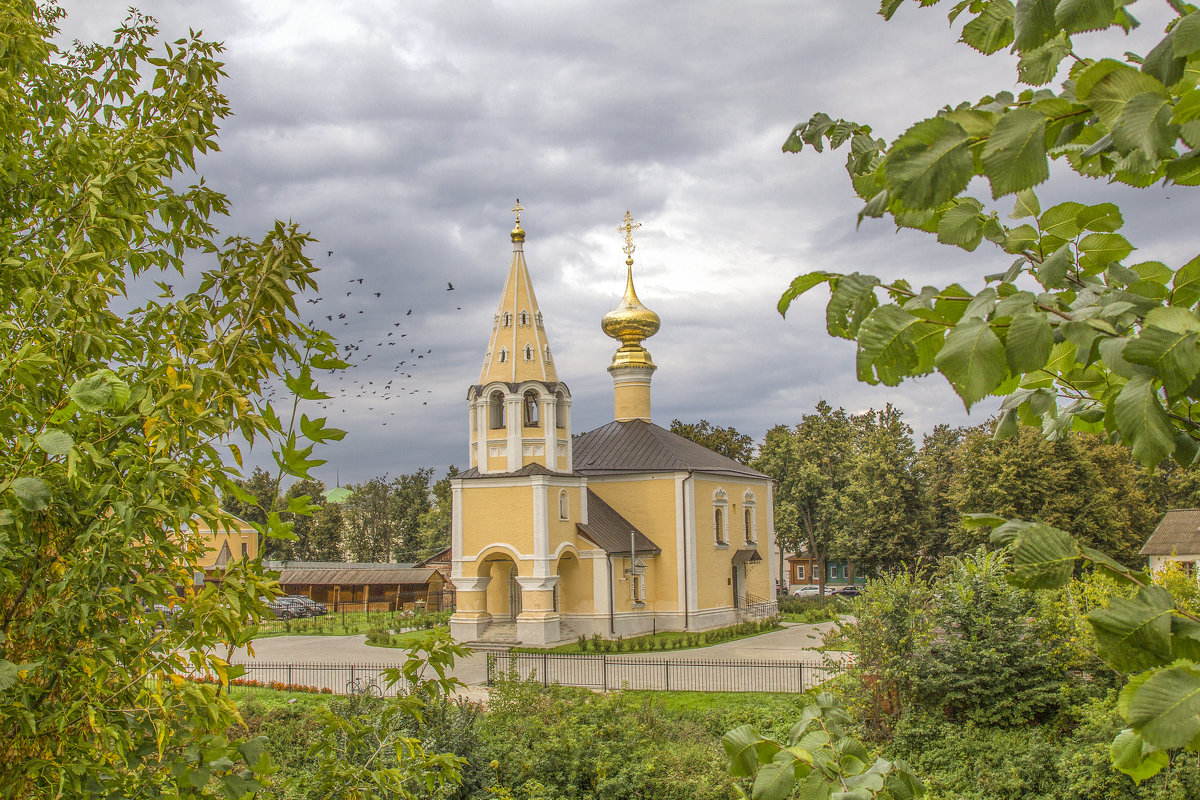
point(811, 465)
point(120, 426)
point(319, 533)
point(935, 469)
point(726, 441)
point(881, 501)
point(371, 529)
point(411, 499)
point(1070, 335)
point(434, 524)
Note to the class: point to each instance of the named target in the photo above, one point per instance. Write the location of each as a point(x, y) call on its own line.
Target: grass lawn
point(348, 624)
point(404, 640)
point(660, 642)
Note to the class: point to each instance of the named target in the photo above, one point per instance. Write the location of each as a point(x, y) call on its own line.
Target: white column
point(514, 419)
point(456, 528)
point(569, 466)
point(541, 527)
point(481, 441)
point(550, 430)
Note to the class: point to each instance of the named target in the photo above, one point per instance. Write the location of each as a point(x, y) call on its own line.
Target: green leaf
point(1103, 218)
point(776, 778)
point(1135, 634)
point(799, 286)
point(92, 393)
point(32, 493)
point(1186, 35)
point(1042, 557)
point(886, 352)
point(1172, 355)
point(1187, 284)
point(1028, 344)
point(1076, 16)
point(1098, 250)
point(1027, 205)
point(852, 300)
point(1062, 220)
point(1165, 709)
point(55, 442)
point(1188, 107)
point(1015, 155)
point(973, 360)
point(741, 748)
point(1143, 422)
point(961, 225)
point(1145, 125)
point(929, 164)
point(991, 30)
point(1129, 755)
point(1034, 23)
point(1052, 272)
point(1108, 85)
point(1038, 67)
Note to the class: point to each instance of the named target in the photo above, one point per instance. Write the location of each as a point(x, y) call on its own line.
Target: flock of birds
point(369, 348)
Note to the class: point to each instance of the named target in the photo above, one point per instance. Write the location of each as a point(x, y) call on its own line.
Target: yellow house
point(622, 530)
point(233, 540)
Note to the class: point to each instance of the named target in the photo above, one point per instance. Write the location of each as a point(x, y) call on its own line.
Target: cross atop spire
point(629, 227)
point(517, 209)
point(518, 233)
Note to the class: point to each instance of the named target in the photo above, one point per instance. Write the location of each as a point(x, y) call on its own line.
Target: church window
point(524, 319)
point(564, 505)
point(560, 410)
point(496, 409)
point(245, 550)
point(506, 319)
point(750, 515)
point(720, 518)
point(531, 410)
point(547, 354)
point(528, 353)
point(503, 357)
point(538, 318)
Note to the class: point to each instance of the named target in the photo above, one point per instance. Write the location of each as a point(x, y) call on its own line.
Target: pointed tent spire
point(518, 350)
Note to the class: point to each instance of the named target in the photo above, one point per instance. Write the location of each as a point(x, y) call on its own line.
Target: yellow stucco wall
point(575, 584)
point(650, 504)
point(497, 514)
point(714, 570)
point(239, 533)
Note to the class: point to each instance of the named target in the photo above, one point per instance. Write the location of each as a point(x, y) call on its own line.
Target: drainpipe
point(612, 625)
point(683, 553)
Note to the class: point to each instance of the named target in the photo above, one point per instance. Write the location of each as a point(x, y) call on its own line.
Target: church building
point(619, 531)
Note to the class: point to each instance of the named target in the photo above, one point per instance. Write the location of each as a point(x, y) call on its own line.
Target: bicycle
point(364, 685)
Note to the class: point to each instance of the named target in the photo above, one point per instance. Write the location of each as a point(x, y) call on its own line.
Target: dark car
point(281, 609)
point(297, 608)
point(847, 591)
point(315, 609)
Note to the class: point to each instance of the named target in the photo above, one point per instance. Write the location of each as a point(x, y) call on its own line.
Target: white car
point(806, 590)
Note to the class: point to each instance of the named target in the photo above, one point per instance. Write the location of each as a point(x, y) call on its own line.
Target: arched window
point(750, 515)
point(564, 505)
point(547, 354)
point(720, 520)
point(528, 353)
point(538, 318)
point(524, 319)
point(506, 319)
point(531, 410)
point(503, 357)
point(496, 409)
point(560, 409)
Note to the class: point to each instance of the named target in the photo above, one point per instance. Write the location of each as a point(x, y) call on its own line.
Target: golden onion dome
point(630, 322)
point(517, 233)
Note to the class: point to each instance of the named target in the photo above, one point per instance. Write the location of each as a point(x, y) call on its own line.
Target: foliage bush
point(811, 609)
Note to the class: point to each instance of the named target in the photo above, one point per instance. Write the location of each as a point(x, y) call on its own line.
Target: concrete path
point(794, 643)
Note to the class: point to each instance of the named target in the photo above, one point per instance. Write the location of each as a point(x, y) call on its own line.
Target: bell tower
point(629, 323)
point(520, 413)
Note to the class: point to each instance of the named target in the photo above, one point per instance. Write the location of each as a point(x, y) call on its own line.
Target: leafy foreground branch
point(1071, 336)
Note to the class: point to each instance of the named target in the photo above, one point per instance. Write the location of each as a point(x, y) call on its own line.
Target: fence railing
point(326, 678)
point(606, 672)
point(760, 607)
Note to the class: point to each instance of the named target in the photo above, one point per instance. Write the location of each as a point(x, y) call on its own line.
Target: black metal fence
point(606, 672)
point(324, 678)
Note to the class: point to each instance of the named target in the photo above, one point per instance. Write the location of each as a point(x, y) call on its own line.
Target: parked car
point(850, 590)
point(281, 610)
point(806, 590)
point(315, 609)
point(298, 609)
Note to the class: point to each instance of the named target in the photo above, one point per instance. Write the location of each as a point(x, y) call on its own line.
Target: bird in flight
point(330, 252)
point(449, 286)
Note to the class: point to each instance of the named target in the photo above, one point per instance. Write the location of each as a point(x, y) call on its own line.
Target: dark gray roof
point(745, 556)
point(640, 446)
point(358, 574)
point(532, 468)
point(610, 530)
point(1179, 532)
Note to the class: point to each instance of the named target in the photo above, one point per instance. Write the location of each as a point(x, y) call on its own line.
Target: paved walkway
point(794, 643)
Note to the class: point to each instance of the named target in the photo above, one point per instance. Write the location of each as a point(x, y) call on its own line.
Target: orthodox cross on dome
point(517, 209)
point(629, 227)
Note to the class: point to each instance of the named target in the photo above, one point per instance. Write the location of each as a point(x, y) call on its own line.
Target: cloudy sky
point(401, 133)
